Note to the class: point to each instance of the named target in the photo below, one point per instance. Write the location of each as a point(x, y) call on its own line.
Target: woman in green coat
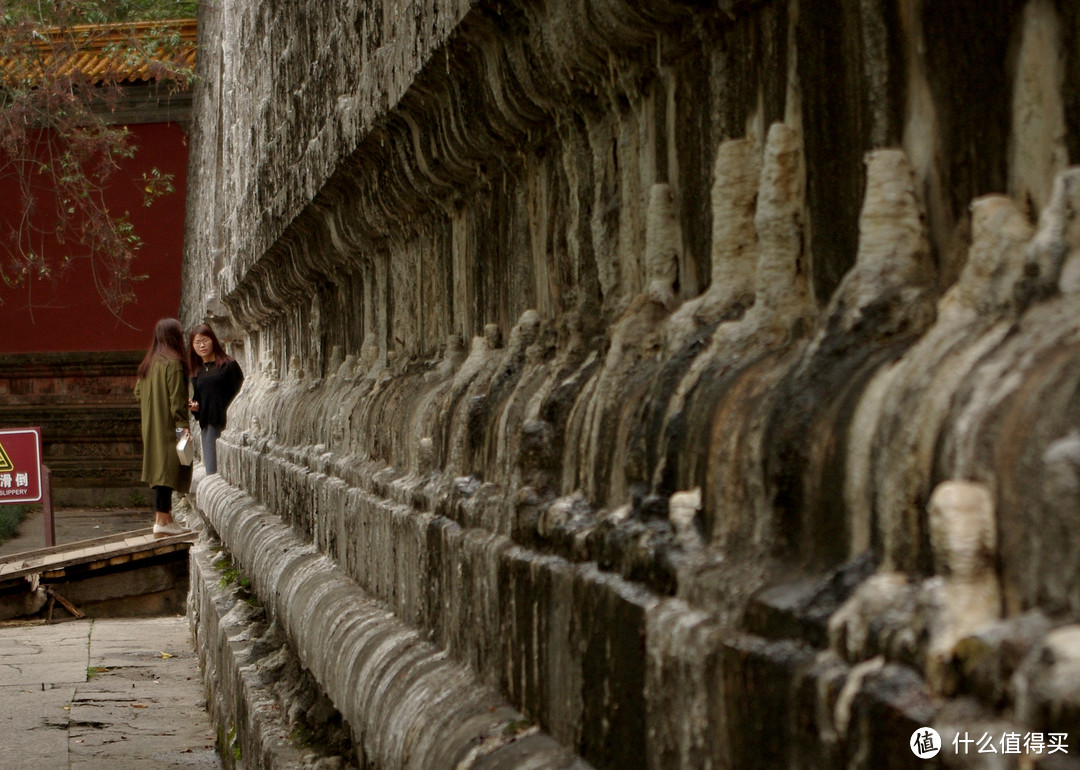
point(162, 390)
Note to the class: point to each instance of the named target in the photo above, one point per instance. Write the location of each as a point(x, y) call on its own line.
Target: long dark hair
point(168, 343)
point(194, 359)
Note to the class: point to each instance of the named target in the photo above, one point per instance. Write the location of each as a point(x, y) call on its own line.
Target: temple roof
point(114, 52)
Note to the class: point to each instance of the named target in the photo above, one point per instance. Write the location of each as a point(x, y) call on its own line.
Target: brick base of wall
point(84, 404)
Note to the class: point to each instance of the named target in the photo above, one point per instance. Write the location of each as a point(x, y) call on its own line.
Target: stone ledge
point(250, 724)
point(801, 610)
point(513, 614)
point(407, 703)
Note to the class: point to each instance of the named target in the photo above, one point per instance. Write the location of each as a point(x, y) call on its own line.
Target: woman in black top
point(216, 379)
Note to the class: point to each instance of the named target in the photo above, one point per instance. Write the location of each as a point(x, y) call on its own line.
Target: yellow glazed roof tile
point(103, 52)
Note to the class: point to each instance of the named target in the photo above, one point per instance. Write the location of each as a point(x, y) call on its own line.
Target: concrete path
point(113, 694)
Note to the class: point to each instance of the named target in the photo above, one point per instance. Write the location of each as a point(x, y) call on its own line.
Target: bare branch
point(63, 69)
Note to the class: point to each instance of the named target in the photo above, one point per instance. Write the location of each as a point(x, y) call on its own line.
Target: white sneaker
point(172, 528)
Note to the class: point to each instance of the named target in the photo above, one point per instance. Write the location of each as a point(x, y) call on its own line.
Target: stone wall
point(702, 378)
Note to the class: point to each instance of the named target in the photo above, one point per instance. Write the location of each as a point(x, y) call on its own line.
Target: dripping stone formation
point(641, 384)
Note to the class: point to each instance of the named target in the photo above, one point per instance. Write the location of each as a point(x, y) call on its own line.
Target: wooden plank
point(7, 567)
point(55, 564)
point(129, 556)
point(60, 558)
point(66, 604)
point(78, 544)
point(28, 563)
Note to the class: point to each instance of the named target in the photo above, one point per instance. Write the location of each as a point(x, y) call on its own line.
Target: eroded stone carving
point(895, 431)
point(592, 506)
point(966, 594)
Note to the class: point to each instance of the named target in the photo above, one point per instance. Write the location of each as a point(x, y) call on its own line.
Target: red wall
point(66, 314)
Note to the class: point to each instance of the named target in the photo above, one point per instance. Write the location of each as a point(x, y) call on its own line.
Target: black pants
point(163, 499)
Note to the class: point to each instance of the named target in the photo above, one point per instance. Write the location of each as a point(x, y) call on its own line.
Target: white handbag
point(185, 448)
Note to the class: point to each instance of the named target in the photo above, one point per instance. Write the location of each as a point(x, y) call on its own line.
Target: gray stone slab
point(135, 707)
point(47, 655)
point(34, 725)
point(112, 645)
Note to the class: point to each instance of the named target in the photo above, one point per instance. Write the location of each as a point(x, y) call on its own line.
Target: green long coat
point(163, 396)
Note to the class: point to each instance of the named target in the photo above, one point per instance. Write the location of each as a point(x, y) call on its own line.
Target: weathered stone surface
point(103, 693)
point(1047, 682)
point(614, 350)
point(406, 702)
point(987, 660)
point(252, 679)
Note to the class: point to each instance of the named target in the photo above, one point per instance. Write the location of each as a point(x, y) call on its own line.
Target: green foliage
point(516, 726)
point(229, 571)
point(11, 516)
point(302, 737)
point(231, 575)
point(98, 11)
point(232, 744)
point(156, 184)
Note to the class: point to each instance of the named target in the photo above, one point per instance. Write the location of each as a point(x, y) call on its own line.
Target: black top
point(214, 388)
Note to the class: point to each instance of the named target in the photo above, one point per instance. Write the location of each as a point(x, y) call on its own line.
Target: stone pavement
point(87, 694)
point(116, 694)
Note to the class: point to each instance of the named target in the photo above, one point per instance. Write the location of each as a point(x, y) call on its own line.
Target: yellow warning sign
point(5, 461)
